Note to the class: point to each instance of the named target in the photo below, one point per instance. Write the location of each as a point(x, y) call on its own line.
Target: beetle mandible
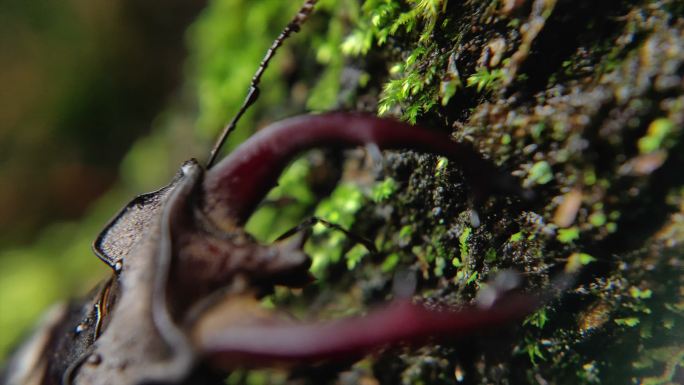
point(185, 273)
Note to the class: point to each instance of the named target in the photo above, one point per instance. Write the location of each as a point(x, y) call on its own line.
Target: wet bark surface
point(582, 101)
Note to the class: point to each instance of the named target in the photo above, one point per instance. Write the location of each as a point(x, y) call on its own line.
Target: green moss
point(472, 278)
point(441, 166)
point(540, 173)
point(589, 373)
point(517, 237)
point(440, 264)
point(405, 234)
point(448, 88)
point(568, 235)
point(672, 359)
point(325, 94)
point(597, 219)
point(589, 177)
point(223, 65)
point(533, 350)
point(381, 20)
point(547, 135)
point(537, 130)
point(629, 321)
point(390, 262)
point(485, 79)
point(271, 221)
point(490, 255)
point(327, 245)
point(407, 92)
point(638, 293)
point(463, 242)
point(355, 255)
point(256, 377)
point(383, 190)
point(658, 131)
point(538, 318)
point(577, 260)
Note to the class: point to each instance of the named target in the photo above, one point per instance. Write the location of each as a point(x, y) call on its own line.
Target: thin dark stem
point(308, 224)
point(253, 93)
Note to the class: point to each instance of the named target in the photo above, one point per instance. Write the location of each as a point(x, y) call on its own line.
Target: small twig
point(253, 93)
point(308, 224)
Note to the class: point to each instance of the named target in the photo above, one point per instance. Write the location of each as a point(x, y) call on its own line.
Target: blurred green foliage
point(225, 46)
point(81, 80)
point(225, 43)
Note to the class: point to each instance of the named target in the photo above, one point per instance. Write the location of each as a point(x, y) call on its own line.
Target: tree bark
point(582, 100)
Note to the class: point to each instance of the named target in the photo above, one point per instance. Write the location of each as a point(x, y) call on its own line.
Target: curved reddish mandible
point(236, 185)
point(401, 321)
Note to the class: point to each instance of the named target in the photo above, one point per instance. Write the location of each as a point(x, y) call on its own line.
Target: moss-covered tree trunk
point(583, 101)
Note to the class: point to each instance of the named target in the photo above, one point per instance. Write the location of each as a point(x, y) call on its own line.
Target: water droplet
point(118, 266)
point(459, 373)
point(80, 328)
point(436, 211)
point(474, 218)
point(404, 284)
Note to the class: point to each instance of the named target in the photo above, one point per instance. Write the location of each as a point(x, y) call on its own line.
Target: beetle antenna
point(253, 93)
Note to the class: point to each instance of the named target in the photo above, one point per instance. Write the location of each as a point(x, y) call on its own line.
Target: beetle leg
point(204, 264)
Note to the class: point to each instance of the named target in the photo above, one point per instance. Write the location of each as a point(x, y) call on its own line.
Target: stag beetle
point(180, 304)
